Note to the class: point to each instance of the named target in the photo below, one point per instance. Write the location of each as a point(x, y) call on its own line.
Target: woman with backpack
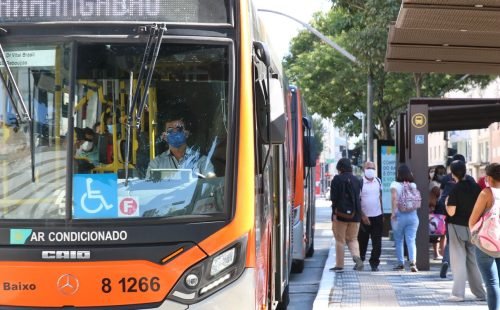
point(459, 207)
point(404, 220)
point(489, 263)
point(346, 214)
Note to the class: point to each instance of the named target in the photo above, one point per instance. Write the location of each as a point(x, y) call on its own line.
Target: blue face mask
point(176, 139)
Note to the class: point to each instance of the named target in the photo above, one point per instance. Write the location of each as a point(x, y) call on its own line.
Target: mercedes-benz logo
point(68, 284)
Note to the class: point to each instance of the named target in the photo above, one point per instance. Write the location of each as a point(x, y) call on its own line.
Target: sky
point(282, 29)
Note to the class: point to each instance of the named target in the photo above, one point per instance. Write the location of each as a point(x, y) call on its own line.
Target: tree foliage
point(336, 88)
point(318, 132)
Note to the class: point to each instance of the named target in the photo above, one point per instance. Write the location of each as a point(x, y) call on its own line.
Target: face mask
point(176, 139)
point(439, 178)
point(370, 173)
point(431, 175)
point(87, 146)
point(110, 128)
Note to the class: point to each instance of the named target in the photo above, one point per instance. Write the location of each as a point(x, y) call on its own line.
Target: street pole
point(369, 118)
point(316, 33)
point(363, 138)
point(361, 116)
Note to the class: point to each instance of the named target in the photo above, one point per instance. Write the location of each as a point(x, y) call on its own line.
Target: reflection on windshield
point(176, 193)
point(38, 191)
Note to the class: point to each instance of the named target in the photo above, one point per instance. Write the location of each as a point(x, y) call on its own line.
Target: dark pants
point(374, 230)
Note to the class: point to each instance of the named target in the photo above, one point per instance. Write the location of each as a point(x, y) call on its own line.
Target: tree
point(318, 131)
point(336, 88)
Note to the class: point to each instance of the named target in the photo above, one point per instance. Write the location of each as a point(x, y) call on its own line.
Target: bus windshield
point(176, 151)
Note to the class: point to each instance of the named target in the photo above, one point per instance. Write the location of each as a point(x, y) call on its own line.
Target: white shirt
point(192, 160)
point(370, 197)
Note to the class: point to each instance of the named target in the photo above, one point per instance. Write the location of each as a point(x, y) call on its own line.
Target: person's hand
point(393, 216)
point(365, 220)
point(155, 177)
point(78, 143)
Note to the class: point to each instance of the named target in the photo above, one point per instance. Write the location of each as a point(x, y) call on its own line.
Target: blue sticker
point(95, 196)
point(419, 139)
point(19, 235)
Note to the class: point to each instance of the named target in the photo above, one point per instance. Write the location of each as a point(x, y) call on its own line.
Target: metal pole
point(363, 138)
point(316, 33)
point(369, 118)
point(347, 145)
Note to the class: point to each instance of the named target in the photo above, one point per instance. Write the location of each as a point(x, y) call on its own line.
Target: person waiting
point(371, 215)
point(459, 206)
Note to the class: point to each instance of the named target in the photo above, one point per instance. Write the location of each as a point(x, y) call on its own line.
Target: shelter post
point(418, 126)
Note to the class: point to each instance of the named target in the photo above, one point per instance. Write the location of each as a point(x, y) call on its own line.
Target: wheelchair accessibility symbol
point(95, 196)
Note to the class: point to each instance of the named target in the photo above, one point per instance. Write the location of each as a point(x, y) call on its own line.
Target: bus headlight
point(211, 274)
point(222, 261)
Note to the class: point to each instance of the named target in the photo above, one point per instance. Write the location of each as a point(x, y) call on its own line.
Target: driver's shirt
point(192, 159)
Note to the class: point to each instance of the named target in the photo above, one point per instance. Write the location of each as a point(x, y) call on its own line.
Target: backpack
point(486, 232)
point(437, 224)
point(345, 206)
point(410, 198)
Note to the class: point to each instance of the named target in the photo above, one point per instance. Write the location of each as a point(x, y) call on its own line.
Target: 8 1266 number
point(132, 285)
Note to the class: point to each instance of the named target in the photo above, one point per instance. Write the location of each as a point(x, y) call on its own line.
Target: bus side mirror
point(277, 120)
point(309, 143)
point(309, 151)
point(262, 53)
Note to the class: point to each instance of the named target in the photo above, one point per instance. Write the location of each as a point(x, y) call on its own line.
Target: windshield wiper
point(146, 72)
point(22, 113)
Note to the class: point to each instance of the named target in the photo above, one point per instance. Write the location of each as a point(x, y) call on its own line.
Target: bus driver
point(179, 155)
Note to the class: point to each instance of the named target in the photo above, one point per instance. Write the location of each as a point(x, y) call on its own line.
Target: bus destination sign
point(33, 11)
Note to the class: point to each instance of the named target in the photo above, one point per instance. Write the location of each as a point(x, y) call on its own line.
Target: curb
point(322, 299)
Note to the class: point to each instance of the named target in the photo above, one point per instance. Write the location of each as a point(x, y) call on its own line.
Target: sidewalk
point(387, 289)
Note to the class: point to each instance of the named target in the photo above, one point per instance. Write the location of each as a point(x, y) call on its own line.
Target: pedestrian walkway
point(387, 289)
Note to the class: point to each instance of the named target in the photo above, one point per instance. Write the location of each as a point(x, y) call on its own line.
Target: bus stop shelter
point(442, 36)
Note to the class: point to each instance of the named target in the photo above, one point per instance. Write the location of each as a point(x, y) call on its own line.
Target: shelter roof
point(448, 36)
point(460, 114)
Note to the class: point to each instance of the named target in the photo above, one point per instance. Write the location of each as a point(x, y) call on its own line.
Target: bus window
point(175, 166)
point(33, 161)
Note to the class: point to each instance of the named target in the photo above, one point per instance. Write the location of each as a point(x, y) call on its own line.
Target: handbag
point(463, 232)
point(437, 224)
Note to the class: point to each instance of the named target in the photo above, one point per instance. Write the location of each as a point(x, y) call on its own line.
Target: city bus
point(303, 161)
point(143, 157)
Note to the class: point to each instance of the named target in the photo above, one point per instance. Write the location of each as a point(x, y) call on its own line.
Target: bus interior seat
point(102, 147)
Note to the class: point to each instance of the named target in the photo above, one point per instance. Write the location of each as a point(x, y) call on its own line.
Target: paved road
point(304, 286)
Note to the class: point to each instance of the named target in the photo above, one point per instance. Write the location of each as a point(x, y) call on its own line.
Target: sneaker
point(398, 268)
point(481, 298)
point(375, 268)
point(454, 298)
point(444, 270)
point(413, 267)
point(337, 269)
point(359, 263)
